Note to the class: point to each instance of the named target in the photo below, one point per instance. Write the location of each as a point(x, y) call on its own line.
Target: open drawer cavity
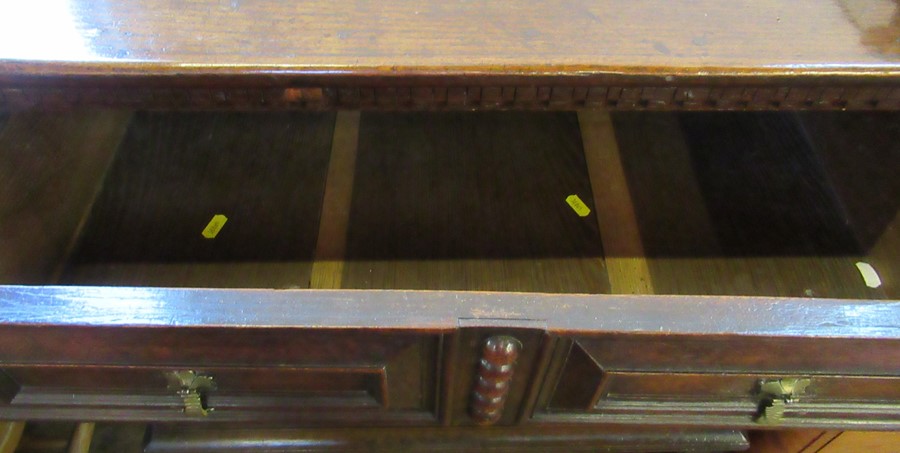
point(797, 206)
point(759, 204)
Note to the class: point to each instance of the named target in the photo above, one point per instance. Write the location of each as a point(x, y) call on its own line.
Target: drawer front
point(623, 385)
point(587, 384)
point(328, 377)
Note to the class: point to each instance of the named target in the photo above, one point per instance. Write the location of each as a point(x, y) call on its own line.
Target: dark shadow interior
point(724, 202)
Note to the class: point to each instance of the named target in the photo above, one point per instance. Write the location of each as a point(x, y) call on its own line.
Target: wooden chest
point(303, 226)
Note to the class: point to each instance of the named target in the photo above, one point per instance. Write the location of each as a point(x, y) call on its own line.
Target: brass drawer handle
point(192, 389)
point(775, 395)
point(495, 371)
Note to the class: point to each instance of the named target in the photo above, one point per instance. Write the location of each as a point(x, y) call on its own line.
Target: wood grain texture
point(52, 168)
point(81, 440)
point(182, 327)
point(790, 441)
point(175, 171)
point(10, 434)
point(579, 382)
point(361, 385)
point(333, 223)
point(625, 385)
point(462, 92)
point(473, 362)
point(493, 378)
point(249, 274)
point(177, 439)
point(860, 154)
point(478, 93)
point(821, 441)
point(736, 204)
point(711, 414)
point(440, 311)
point(709, 39)
point(665, 390)
point(855, 441)
point(660, 354)
point(646, 54)
point(472, 201)
point(307, 376)
point(622, 247)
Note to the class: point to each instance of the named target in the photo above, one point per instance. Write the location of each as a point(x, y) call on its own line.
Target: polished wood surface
point(733, 204)
point(10, 434)
point(805, 441)
point(478, 93)
point(174, 172)
point(623, 250)
point(708, 39)
point(52, 168)
point(471, 201)
point(694, 229)
point(669, 393)
point(171, 439)
point(439, 311)
point(770, 54)
point(331, 243)
point(258, 169)
point(738, 204)
point(871, 442)
point(790, 441)
point(495, 372)
point(81, 440)
point(860, 155)
point(300, 376)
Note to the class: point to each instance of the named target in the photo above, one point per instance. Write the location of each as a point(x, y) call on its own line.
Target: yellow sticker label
point(869, 275)
point(214, 226)
point(578, 206)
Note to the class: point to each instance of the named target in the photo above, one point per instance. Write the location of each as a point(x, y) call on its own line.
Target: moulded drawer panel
point(387, 377)
point(587, 386)
point(741, 387)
